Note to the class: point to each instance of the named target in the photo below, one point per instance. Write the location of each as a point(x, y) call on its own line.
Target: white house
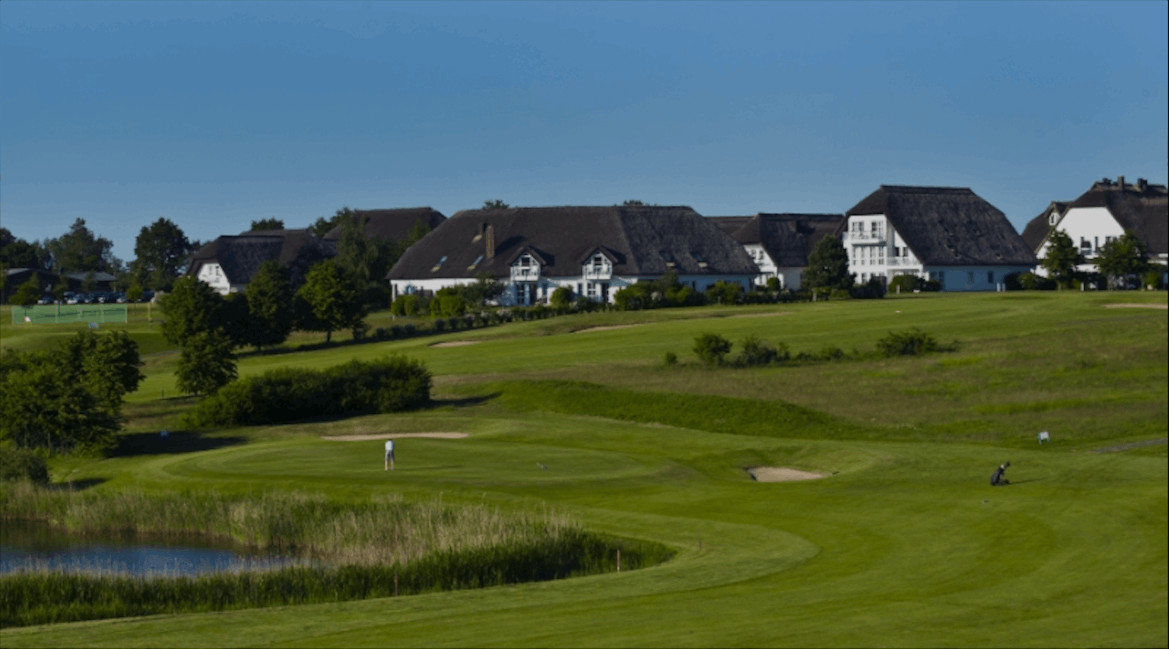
point(594, 251)
point(779, 244)
point(1104, 213)
point(947, 234)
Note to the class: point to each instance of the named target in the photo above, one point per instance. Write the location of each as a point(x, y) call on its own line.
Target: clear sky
point(213, 114)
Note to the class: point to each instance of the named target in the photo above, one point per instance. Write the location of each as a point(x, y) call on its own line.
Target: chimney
point(1142, 184)
point(1120, 181)
point(489, 234)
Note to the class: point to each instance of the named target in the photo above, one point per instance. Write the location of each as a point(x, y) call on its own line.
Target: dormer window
point(698, 258)
point(668, 257)
point(598, 262)
point(1054, 218)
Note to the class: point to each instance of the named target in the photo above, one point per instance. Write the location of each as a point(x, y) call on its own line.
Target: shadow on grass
point(1015, 482)
point(178, 442)
point(466, 402)
point(76, 485)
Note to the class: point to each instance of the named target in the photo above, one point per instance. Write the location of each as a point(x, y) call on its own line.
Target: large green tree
point(1061, 258)
point(321, 226)
point(79, 251)
point(330, 301)
point(206, 363)
point(269, 305)
point(27, 293)
point(192, 307)
point(161, 251)
point(1123, 259)
point(18, 253)
point(107, 365)
point(828, 265)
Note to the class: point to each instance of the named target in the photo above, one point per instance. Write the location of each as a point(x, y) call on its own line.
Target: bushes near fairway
point(390, 384)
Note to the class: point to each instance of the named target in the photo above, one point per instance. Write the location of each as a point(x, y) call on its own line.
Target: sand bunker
point(781, 474)
point(1136, 306)
point(605, 328)
point(366, 438)
point(456, 343)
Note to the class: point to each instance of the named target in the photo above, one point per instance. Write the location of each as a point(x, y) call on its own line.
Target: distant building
point(594, 251)
point(228, 263)
point(947, 234)
point(1104, 213)
point(779, 244)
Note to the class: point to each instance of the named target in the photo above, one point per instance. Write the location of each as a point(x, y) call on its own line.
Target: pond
point(32, 545)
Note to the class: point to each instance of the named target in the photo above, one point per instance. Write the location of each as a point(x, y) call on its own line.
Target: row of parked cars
point(114, 297)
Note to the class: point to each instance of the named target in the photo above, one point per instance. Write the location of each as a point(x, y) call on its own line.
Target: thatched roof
point(787, 238)
point(1037, 229)
point(1142, 208)
point(948, 226)
point(392, 224)
point(642, 241)
point(241, 256)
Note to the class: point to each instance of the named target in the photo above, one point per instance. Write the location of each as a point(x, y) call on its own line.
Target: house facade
point(779, 244)
point(594, 251)
point(228, 263)
point(1104, 213)
point(946, 234)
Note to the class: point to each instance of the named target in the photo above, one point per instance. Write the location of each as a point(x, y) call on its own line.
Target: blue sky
point(213, 114)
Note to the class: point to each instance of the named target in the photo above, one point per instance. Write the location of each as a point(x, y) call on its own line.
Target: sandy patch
point(605, 328)
point(781, 474)
point(456, 343)
point(1136, 306)
point(367, 438)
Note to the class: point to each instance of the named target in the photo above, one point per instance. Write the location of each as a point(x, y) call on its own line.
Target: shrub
point(757, 352)
point(711, 348)
point(1033, 282)
point(905, 284)
point(390, 384)
point(671, 359)
point(439, 325)
point(830, 353)
point(906, 343)
point(18, 464)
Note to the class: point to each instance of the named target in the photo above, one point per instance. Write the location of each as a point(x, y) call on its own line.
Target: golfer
point(389, 455)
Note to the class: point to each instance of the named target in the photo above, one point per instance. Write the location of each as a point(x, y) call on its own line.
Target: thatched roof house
point(593, 250)
point(780, 243)
point(229, 262)
point(949, 234)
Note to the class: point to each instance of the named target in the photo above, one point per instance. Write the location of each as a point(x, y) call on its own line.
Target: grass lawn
point(903, 543)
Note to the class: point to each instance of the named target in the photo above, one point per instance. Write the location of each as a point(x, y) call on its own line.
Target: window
point(476, 262)
point(990, 277)
point(970, 277)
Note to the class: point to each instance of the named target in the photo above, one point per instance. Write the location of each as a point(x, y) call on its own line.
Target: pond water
point(32, 545)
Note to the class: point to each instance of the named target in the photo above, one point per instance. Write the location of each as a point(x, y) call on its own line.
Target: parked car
point(147, 296)
point(45, 299)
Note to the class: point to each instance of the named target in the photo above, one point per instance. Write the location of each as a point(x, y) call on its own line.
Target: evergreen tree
point(828, 265)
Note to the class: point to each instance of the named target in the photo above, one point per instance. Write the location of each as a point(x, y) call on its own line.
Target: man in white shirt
point(389, 455)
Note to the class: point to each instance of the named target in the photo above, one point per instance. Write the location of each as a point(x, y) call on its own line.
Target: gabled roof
point(639, 239)
point(1142, 208)
point(1037, 229)
point(392, 224)
point(948, 226)
point(787, 238)
point(241, 256)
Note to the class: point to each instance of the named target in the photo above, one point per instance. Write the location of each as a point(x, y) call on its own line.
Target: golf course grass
point(902, 542)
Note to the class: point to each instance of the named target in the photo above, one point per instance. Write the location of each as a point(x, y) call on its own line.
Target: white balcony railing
point(528, 274)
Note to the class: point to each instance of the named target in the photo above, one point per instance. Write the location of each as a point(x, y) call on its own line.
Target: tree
point(18, 253)
point(725, 292)
point(41, 407)
point(495, 204)
point(633, 202)
point(1122, 259)
point(269, 305)
point(828, 265)
point(321, 226)
point(1062, 258)
point(161, 251)
point(364, 261)
point(192, 307)
point(27, 293)
point(270, 223)
point(79, 251)
point(484, 290)
point(329, 299)
point(105, 365)
point(206, 363)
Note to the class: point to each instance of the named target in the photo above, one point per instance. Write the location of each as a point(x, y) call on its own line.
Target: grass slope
point(905, 544)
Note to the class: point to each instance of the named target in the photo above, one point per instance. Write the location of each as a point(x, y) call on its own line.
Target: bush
point(390, 384)
point(907, 343)
point(18, 464)
point(711, 348)
point(830, 353)
point(671, 359)
point(1031, 282)
point(757, 352)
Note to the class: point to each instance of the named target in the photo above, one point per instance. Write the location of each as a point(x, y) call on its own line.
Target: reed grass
point(374, 549)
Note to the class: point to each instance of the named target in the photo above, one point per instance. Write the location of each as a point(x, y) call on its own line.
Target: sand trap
point(1136, 306)
point(366, 438)
point(456, 343)
point(605, 328)
point(781, 474)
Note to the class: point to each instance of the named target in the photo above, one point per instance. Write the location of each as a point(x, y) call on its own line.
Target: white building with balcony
point(946, 234)
point(593, 251)
point(779, 244)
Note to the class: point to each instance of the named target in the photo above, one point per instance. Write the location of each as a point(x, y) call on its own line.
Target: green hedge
point(390, 384)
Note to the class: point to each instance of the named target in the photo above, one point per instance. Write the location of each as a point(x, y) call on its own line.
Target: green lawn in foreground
point(905, 545)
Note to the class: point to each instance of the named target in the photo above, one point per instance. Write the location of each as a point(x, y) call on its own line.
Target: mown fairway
point(904, 544)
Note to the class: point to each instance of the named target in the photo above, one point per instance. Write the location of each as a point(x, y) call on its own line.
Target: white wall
point(212, 275)
point(1093, 226)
